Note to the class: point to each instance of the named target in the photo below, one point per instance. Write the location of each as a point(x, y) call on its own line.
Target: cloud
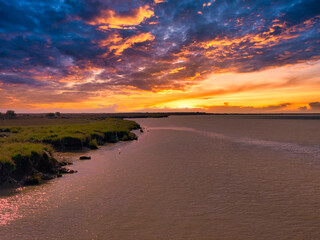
point(17, 80)
point(304, 108)
point(120, 45)
point(315, 105)
point(110, 19)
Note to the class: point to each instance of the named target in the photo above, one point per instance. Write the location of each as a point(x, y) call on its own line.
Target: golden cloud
point(115, 42)
point(159, 1)
point(219, 48)
point(110, 19)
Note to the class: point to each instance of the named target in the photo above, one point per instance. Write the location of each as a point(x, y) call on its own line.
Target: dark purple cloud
point(315, 105)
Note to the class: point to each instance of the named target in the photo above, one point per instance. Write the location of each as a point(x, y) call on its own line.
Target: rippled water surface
point(187, 177)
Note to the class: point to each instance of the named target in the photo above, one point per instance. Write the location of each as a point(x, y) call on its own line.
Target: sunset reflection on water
point(15, 204)
point(9, 210)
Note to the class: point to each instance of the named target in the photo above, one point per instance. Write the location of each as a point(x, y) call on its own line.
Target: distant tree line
point(10, 114)
point(53, 115)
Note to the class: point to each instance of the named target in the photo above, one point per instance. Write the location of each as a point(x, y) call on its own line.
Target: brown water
point(188, 177)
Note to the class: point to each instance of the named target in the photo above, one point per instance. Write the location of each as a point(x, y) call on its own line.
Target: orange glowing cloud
point(110, 19)
point(114, 38)
point(115, 42)
point(176, 70)
point(159, 1)
point(219, 48)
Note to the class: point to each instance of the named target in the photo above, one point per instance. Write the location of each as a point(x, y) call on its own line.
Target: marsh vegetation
point(27, 150)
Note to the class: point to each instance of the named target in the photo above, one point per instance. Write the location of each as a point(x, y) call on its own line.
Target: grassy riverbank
point(26, 151)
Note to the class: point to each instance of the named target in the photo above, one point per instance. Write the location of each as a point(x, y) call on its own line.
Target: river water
point(187, 177)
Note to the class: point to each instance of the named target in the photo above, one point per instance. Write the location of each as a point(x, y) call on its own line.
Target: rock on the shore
point(85, 158)
point(66, 171)
point(32, 180)
point(47, 177)
point(64, 163)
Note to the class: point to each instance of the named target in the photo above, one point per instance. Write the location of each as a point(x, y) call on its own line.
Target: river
point(187, 177)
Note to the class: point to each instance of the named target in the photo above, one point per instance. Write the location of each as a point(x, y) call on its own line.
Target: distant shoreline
point(27, 119)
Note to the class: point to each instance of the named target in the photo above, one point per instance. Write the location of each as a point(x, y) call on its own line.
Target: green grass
point(26, 150)
point(25, 146)
point(68, 135)
point(12, 153)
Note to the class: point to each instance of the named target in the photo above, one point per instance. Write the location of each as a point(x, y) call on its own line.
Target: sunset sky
point(160, 55)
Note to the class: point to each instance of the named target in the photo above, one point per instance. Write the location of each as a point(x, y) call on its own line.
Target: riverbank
point(27, 152)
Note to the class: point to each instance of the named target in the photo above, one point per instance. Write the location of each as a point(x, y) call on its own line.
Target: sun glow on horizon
point(271, 90)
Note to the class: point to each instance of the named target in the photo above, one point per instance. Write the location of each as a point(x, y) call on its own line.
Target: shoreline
point(33, 163)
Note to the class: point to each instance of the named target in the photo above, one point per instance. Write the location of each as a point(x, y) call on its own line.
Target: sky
point(241, 56)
